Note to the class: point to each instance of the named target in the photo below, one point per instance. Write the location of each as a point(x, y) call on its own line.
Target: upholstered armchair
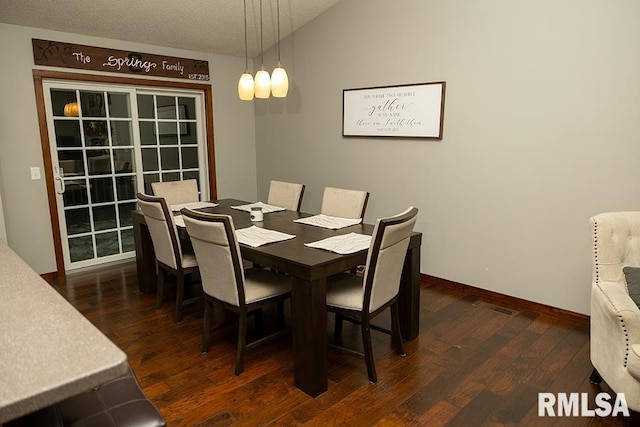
point(615, 317)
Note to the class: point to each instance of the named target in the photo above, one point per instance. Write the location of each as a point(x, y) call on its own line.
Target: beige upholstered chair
point(169, 254)
point(177, 192)
point(286, 195)
point(615, 317)
point(226, 283)
point(344, 203)
point(360, 299)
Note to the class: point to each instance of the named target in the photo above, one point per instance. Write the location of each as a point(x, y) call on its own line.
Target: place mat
point(179, 220)
point(326, 221)
point(265, 208)
point(255, 236)
point(193, 205)
point(343, 244)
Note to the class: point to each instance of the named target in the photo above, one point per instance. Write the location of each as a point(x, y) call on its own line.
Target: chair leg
point(395, 329)
point(595, 377)
point(206, 330)
point(242, 341)
point(179, 295)
point(368, 351)
point(160, 287)
point(337, 328)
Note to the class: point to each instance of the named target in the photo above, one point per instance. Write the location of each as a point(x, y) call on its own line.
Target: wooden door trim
point(40, 75)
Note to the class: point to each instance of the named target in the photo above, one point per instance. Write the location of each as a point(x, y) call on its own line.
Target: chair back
point(287, 195)
point(615, 242)
point(385, 259)
point(344, 203)
point(218, 254)
point(177, 192)
point(162, 228)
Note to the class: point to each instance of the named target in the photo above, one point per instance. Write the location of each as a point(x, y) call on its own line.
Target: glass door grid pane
point(169, 138)
point(102, 160)
point(94, 217)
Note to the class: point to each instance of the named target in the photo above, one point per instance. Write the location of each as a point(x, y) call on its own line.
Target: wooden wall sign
point(68, 55)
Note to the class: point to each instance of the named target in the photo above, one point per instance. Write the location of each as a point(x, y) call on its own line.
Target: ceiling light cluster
point(262, 85)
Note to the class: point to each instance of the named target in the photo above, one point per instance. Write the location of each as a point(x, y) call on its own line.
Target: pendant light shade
point(262, 81)
point(245, 84)
point(279, 82)
point(262, 84)
point(279, 78)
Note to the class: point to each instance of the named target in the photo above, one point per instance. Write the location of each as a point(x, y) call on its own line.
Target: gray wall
point(541, 130)
point(24, 201)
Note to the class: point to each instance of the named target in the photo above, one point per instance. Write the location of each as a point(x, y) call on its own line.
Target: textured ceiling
point(214, 26)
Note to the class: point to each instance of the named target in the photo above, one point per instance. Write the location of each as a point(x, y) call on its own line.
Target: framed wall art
point(406, 111)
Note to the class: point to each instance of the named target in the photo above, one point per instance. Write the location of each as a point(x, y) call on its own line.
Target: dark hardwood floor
point(473, 364)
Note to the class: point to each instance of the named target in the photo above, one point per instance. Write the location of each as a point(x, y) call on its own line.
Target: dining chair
point(344, 203)
point(170, 256)
point(226, 283)
point(177, 192)
point(287, 195)
point(360, 299)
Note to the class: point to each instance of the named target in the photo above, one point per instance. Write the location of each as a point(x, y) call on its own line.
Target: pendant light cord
point(278, 13)
point(261, 47)
point(246, 45)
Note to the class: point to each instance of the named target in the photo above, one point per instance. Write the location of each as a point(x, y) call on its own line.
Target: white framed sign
point(407, 111)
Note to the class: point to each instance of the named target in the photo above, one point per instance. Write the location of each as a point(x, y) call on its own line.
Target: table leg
point(309, 319)
point(409, 295)
point(145, 256)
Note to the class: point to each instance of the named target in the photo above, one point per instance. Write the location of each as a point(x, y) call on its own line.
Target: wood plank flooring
point(472, 365)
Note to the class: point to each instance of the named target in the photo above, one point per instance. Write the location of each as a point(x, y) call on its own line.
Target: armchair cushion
point(632, 277)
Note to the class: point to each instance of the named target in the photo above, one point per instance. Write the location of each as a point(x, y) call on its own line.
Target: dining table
point(309, 269)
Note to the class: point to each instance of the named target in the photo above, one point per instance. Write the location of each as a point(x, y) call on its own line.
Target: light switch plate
point(35, 173)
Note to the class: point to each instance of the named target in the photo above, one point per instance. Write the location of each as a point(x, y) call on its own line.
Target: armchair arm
point(615, 325)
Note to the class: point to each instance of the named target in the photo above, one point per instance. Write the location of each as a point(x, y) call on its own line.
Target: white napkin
point(344, 244)
point(193, 205)
point(255, 236)
point(326, 221)
point(265, 208)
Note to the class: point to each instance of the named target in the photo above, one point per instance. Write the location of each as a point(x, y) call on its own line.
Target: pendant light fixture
point(279, 79)
point(262, 80)
point(245, 84)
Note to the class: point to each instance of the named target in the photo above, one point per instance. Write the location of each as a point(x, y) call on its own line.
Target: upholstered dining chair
point(360, 299)
point(615, 300)
point(344, 203)
point(177, 192)
point(286, 195)
point(226, 283)
point(170, 257)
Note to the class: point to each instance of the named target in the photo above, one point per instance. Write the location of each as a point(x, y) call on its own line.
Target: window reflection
point(118, 105)
point(67, 133)
point(92, 104)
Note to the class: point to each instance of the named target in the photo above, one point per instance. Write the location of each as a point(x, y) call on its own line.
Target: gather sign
point(68, 55)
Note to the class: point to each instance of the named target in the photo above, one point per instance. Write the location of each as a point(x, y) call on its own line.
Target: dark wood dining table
point(309, 269)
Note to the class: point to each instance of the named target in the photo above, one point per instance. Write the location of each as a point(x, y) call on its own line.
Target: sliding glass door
point(108, 143)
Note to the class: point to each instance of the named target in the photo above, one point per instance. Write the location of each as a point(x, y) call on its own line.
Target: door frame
point(40, 75)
